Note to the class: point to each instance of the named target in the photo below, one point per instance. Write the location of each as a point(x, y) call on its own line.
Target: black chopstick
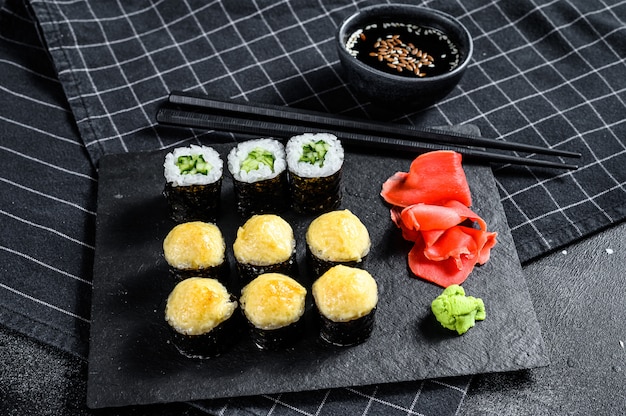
point(307, 118)
point(183, 118)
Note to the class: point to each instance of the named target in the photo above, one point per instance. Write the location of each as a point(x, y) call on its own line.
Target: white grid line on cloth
point(288, 55)
point(174, 69)
point(565, 140)
point(148, 118)
point(505, 54)
point(108, 114)
point(38, 130)
point(25, 69)
point(43, 264)
point(48, 164)
point(33, 100)
point(47, 196)
point(41, 302)
point(416, 397)
point(187, 63)
point(204, 36)
point(527, 219)
point(40, 214)
point(122, 40)
point(279, 403)
point(257, 63)
point(592, 70)
point(497, 109)
point(568, 207)
point(371, 398)
point(464, 391)
point(216, 53)
point(513, 104)
point(597, 161)
point(546, 63)
point(51, 230)
point(91, 81)
point(322, 402)
point(521, 71)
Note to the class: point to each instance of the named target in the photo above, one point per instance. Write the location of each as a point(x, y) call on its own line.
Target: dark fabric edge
point(43, 333)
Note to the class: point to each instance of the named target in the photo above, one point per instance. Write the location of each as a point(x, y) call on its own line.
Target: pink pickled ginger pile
point(431, 205)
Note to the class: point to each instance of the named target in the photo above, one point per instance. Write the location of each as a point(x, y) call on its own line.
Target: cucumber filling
point(314, 153)
point(193, 164)
point(256, 158)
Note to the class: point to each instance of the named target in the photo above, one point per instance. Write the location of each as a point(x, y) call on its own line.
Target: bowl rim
point(351, 21)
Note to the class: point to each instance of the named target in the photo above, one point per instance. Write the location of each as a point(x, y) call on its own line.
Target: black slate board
point(131, 360)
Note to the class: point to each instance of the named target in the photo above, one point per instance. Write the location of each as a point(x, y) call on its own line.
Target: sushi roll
point(273, 304)
point(201, 314)
point(196, 249)
point(259, 170)
point(315, 165)
point(346, 299)
point(336, 237)
point(264, 243)
point(193, 183)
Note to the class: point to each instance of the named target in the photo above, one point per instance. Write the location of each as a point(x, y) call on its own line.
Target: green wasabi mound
point(456, 311)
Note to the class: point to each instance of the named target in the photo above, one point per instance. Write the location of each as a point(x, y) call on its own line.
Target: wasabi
point(456, 311)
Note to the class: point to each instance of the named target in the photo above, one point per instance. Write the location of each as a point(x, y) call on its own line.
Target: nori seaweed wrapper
point(210, 344)
point(318, 266)
point(316, 195)
point(268, 196)
point(248, 272)
point(194, 202)
point(279, 338)
point(220, 273)
point(347, 333)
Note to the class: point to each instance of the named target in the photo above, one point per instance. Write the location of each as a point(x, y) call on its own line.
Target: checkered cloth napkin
point(83, 79)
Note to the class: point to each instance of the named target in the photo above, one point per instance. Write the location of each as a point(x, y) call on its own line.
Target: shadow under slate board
point(132, 360)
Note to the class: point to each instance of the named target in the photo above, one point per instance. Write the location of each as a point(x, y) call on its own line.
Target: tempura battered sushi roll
point(193, 183)
point(265, 243)
point(336, 237)
point(196, 249)
point(315, 165)
point(346, 299)
point(201, 313)
point(274, 304)
point(259, 170)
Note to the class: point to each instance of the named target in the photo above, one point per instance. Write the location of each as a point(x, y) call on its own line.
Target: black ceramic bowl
point(402, 56)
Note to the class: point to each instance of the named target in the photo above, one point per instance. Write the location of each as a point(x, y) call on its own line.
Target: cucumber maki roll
point(201, 314)
point(346, 299)
point(336, 237)
point(315, 166)
point(193, 183)
point(273, 304)
point(259, 170)
point(196, 249)
point(264, 244)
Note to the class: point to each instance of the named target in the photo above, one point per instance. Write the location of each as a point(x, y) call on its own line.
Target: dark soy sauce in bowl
point(404, 49)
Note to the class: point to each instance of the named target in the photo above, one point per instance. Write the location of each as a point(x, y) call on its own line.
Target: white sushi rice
point(333, 160)
point(239, 153)
point(210, 155)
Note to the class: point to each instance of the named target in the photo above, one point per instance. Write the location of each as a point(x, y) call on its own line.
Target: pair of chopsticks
point(198, 111)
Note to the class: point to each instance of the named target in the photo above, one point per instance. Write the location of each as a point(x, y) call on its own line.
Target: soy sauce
point(404, 49)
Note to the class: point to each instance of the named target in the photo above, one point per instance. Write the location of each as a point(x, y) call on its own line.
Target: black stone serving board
point(131, 360)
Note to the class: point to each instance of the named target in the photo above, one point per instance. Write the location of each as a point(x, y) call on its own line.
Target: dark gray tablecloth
point(81, 79)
